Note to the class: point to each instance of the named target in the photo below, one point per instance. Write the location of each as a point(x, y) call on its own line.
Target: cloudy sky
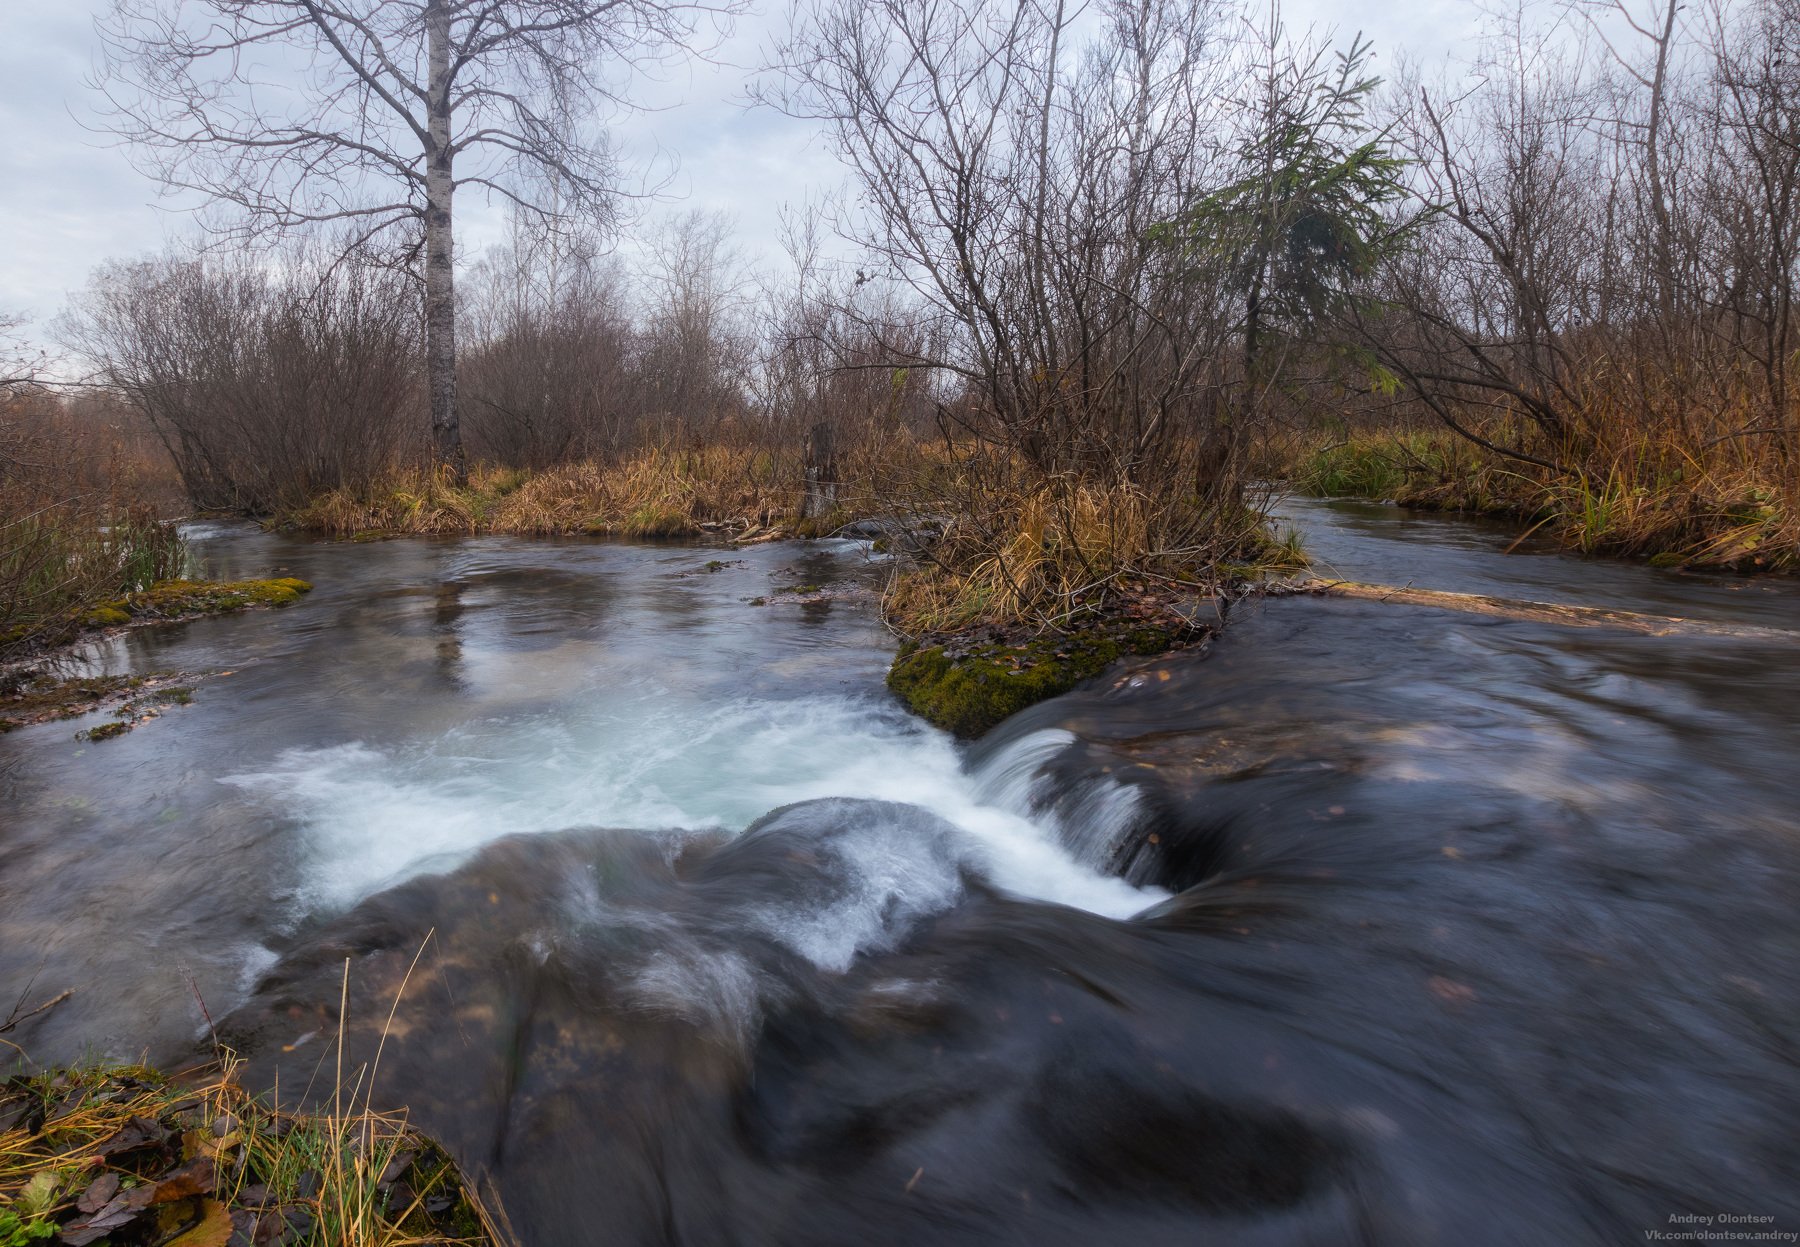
point(69, 198)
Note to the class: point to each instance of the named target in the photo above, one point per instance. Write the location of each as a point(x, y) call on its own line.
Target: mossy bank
point(170, 600)
point(968, 684)
point(34, 690)
point(166, 601)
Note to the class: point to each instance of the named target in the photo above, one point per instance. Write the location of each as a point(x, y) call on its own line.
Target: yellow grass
point(657, 492)
point(231, 1153)
point(1677, 497)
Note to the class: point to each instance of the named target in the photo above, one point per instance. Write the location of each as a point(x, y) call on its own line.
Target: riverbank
point(130, 1157)
point(33, 689)
point(1016, 601)
point(1644, 502)
point(715, 491)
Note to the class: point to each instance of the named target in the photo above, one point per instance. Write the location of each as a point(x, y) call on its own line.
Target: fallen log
point(1535, 612)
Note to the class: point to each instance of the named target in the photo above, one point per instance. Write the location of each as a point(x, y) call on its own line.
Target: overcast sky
point(69, 199)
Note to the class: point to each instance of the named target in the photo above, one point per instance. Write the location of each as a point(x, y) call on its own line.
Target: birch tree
point(293, 113)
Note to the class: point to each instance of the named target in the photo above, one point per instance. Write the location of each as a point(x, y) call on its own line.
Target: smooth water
point(1366, 924)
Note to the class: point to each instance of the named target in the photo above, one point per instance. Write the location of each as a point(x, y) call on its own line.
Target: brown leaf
point(118, 1211)
point(193, 1178)
point(270, 1228)
point(99, 1193)
point(299, 1220)
point(214, 1229)
point(134, 1134)
point(243, 1228)
point(397, 1166)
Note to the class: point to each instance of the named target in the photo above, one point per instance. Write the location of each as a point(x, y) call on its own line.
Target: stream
point(1362, 924)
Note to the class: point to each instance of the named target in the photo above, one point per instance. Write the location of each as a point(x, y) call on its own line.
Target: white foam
point(372, 815)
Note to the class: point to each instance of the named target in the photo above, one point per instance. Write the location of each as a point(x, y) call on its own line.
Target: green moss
point(106, 731)
point(184, 599)
point(1668, 558)
point(106, 617)
point(969, 691)
point(821, 525)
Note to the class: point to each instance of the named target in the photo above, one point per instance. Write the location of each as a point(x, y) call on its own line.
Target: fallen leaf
point(397, 1166)
point(137, 1133)
point(214, 1229)
point(99, 1193)
point(39, 1193)
point(243, 1228)
point(121, 1210)
point(299, 1219)
point(194, 1178)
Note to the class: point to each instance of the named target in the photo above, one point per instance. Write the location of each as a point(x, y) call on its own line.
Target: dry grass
point(128, 1157)
point(141, 1158)
point(1679, 497)
point(1004, 546)
point(1063, 552)
point(658, 492)
point(73, 531)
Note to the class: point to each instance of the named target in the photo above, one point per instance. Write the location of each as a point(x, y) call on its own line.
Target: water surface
point(1365, 924)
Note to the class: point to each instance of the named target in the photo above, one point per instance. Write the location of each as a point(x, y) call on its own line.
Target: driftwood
point(1535, 612)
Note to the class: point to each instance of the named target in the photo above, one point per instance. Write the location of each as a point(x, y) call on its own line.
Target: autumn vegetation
point(81, 513)
point(1107, 282)
point(124, 1155)
point(1593, 326)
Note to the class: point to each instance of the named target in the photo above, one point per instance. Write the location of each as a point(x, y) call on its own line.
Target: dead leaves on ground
point(126, 1159)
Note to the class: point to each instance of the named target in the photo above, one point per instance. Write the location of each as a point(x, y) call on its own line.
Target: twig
point(201, 1001)
point(16, 1017)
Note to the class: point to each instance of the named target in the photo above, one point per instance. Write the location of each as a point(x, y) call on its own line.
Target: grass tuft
point(125, 1156)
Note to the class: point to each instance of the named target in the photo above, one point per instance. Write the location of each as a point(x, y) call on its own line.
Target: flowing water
point(1365, 924)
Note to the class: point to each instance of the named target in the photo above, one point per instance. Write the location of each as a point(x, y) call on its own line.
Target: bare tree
point(694, 357)
point(1016, 164)
point(21, 363)
point(545, 376)
point(296, 112)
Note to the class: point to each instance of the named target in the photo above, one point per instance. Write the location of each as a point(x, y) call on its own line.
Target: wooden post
point(821, 474)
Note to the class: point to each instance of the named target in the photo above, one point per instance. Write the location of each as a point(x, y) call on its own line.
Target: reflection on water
point(1368, 924)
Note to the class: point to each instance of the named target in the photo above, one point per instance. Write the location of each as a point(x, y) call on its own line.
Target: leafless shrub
point(268, 379)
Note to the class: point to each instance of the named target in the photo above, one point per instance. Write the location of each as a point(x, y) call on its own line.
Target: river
point(1366, 923)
